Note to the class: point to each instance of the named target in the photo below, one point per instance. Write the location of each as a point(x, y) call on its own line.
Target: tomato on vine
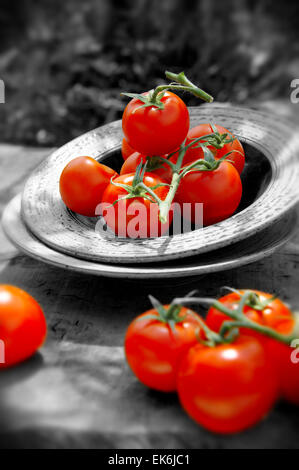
point(268, 319)
point(228, 387)
point(154, 165)
point(157, 122)
point(262, 308)
point(156, 130)
point(130, 207)
point(155, 342)
point(227, 143)
point(219, 190)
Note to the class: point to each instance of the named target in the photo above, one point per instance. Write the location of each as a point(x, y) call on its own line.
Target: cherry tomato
point(153, 349)
point(275, 315)
point(134, 160)
point(286, 360)
point(229, 387)
point(126, 149)
point(153, 131)
point(219, 191)
point(23, 326)
point(82, 184)
point(237, 157)
point(137, 217)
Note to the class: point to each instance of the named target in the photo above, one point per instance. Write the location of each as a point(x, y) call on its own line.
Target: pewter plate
point(252, 249)
point(272, 189)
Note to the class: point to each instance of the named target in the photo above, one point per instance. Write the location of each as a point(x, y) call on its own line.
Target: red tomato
point(275, 315)
point(134, 160)
point(153, 131)
point(23, 326)
point(237, 159)
point(82, 184)
point(136, 217)
point(153, 350)
point(286, 360)
point(219, 191)
point(227, 388)
point(126, 149)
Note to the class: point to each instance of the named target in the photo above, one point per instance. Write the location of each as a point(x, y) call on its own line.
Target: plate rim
point(12, 215)
point(185, 251)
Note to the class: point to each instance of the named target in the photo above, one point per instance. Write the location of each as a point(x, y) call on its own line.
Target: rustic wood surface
point(78, 391)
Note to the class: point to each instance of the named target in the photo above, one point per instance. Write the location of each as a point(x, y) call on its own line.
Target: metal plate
point(252, 249)
point(49, 220)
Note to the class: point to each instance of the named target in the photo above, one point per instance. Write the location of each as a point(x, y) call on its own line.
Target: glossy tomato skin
point(153, 350)
point(82, 184)
point(134, 160)
point(228, 388)
point(237, 158)
point(275, 315)
point(152, 131)
point(219, 191)
point(121, 217)
point(286, 360)
point(23, 326)
point(126, 149)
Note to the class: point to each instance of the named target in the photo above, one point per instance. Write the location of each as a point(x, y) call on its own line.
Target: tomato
point(136, 217)
point(219, 191)
point(134, 160)
point(237, 157)
point(23, 326)
point(153, 349)
point(229, 387)
point(126, 149)
point(82, 184)
point(275, 315)
point(153, 131)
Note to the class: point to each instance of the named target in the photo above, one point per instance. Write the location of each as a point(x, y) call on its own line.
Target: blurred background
point(65, 63)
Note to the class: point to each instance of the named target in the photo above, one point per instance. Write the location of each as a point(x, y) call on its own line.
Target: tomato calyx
point(179, 82)
point(218, 140)
point(208, 163)
point(170, 315)
point(138, 188)
point(148, 99)
point(239, 319)
point(254, 300)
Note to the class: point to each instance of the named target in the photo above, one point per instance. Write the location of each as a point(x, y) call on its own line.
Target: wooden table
point(78, 391)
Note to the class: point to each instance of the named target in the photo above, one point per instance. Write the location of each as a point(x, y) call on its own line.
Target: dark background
point(65, 62)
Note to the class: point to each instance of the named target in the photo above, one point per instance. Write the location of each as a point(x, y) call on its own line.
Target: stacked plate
point(40, 225)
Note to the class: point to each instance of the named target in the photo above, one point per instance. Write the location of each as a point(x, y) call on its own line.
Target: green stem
point(165, 205)
point(241, 320)
point(180, 83)
point(183, 80)
point(149, 191)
